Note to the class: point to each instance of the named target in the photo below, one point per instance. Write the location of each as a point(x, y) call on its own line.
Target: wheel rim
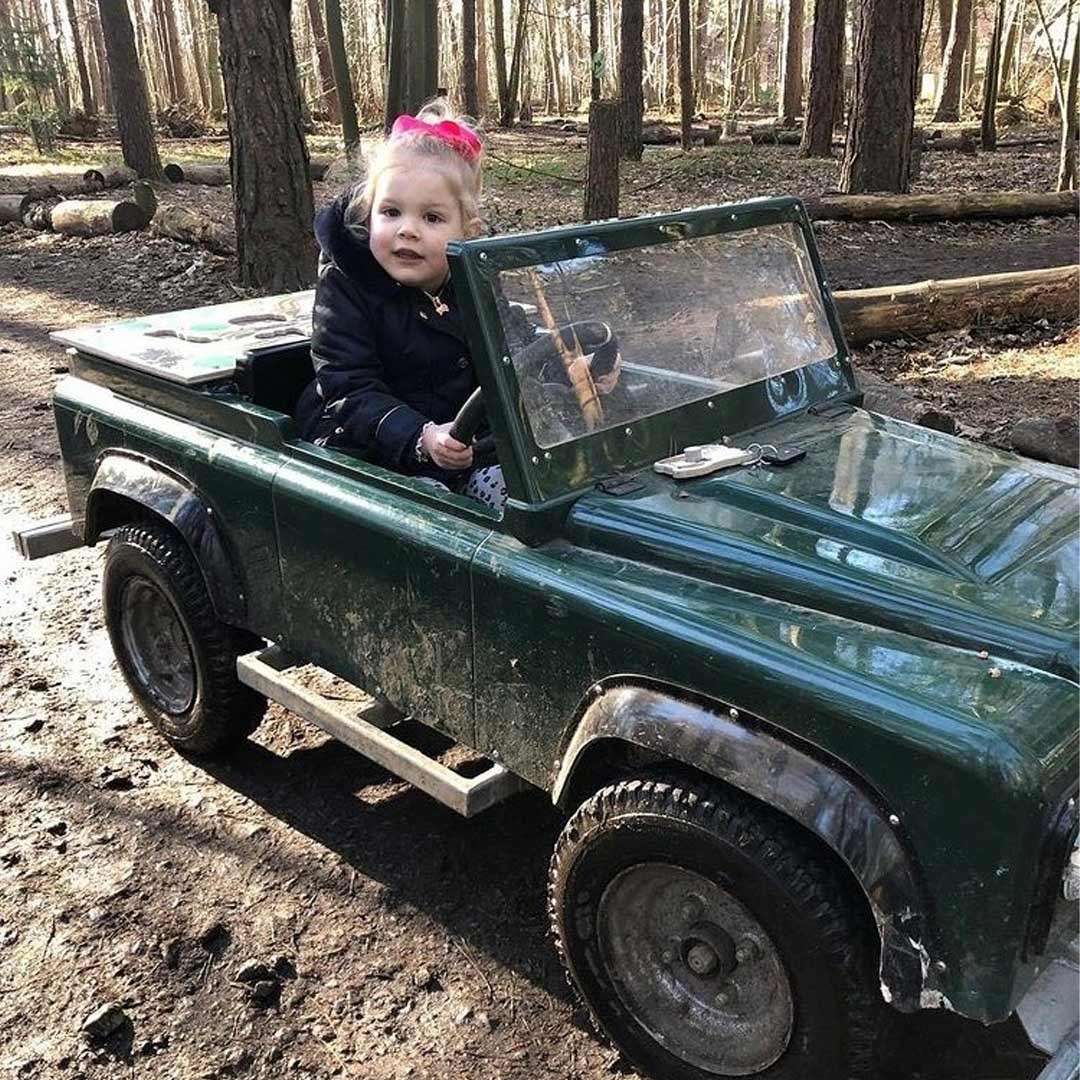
point(695, 969)
point(157, 646)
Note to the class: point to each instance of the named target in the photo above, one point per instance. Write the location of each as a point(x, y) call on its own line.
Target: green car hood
point(882, 522)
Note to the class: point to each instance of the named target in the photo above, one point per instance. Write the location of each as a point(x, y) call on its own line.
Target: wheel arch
point(627, 727)
point(128, 488)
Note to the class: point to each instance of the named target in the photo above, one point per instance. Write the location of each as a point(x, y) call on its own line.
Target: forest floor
point(409, 942)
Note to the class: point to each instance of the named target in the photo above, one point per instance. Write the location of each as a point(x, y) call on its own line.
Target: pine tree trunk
point(602, 164)
point(948, 97)
point(342, 80)
point(735, 64)
point(877, 154)
point(136, 128)
point(701, 32)
point(271, 182)
point(686, 77)
point(944, 15)
point(468, 58)
point(193, 9)
point(790, 97)
point(514, 83)
point(483, 92)
point(1067, 169)
point(631, 63)
point(213, 63)
point(88, 103)
point(500, 58)
point(826, 79)
point(991, 80)
point(326, 64)
point(176, 52)
point(1008, 56)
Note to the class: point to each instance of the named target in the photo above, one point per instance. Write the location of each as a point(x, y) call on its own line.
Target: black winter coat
point(386, 361)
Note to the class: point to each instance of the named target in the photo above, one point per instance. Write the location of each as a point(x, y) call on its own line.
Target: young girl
point(392, 366)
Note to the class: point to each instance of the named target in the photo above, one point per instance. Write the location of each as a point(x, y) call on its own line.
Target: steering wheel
point(467, 422)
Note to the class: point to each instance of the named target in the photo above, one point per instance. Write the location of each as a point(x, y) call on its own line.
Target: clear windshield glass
point(607, 339)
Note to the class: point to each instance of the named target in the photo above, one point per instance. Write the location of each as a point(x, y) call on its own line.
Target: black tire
point(651, 885)
point(177, 657)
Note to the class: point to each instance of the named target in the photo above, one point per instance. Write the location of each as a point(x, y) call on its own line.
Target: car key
point(781, 455)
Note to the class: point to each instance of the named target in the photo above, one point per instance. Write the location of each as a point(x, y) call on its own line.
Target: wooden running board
point(266, 671)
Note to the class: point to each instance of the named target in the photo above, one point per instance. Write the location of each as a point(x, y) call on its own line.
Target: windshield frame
point(535, 474)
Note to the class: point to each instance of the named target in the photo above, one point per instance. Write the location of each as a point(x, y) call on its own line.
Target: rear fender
point(124, 483)
point(738, 750)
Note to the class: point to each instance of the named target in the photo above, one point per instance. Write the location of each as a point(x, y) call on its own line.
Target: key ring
point(758, 450)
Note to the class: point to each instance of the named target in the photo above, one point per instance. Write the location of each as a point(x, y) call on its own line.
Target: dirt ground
point(406, 941)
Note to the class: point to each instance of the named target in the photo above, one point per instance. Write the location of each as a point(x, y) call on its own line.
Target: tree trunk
point(594, 54)
point(631, 63)
point(947, 107)
point(701, 32)
point(790, 98)
point(826, 79)
point(602, 164)
point(193, 9)
point(1012, 32)
point(991, 80)
point(967, 206)
point(271, 183)
point(877, 156)
point(483, 93)
point(945, 16)
point(500, 59)
point(326, 64)
point(133, 121)
point(217, 86)
point(83, 217)
point(514, 82)
point(179, 223)
point(335, 37)
point(686, 76)
point(468, 58)
point(88, 103)
point(931, 306)
point(735, 63)
point(1067, 169)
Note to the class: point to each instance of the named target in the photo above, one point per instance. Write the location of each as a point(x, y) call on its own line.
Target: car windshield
point(611, 337)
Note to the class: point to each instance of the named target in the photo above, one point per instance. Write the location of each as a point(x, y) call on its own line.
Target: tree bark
point(217, 86)
point(1067, 168)
point(103, 87)
point(877, 156)
point(88, 102)
point(991, 80)
point(176, 58)
point(97, 218)
point(501, 81)
point(947, 107)
point(193, 9)
point(327, 78)
point(826, 79)
point(133, 121)
point(962, 206)
point(271, 184)
point(335, 37)
point(602, 164)
point(468, 58)
point(631, 63)
point(930, 306)
point(594, 51)
point(686, 76)
point(944, 14)
point(179, 223)
point(514, 82)
point(736, 63)
point(483, 93)
point(790, 97)
point(12, 207)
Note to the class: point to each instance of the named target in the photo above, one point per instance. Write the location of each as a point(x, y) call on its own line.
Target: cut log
point(97, 217)
point(320, 166)
point(179, 223)
point(142, 193)
point(12, 207)
point(763, 136)
point(45, 185)
point(964, 143)
point(109, 176)
point(197, 173)
point(945, 207)
point(928, 306)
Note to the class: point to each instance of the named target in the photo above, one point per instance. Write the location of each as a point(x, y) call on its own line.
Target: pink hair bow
point(463, 139)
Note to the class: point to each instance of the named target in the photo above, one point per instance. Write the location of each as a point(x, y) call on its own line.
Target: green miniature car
point(803, 678)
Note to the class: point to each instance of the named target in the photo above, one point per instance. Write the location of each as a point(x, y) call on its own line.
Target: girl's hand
point(445, 451)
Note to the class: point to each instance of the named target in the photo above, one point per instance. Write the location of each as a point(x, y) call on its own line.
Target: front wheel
point(710, 938)
point(177, 657)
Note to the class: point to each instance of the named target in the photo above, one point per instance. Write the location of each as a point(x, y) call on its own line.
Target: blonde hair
point(379, 157)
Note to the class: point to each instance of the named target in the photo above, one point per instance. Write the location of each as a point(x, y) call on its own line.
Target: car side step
point(266, 671)
point(47, 538)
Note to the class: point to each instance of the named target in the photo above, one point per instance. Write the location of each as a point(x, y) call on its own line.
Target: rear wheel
point(710, 938)
point(177, 657)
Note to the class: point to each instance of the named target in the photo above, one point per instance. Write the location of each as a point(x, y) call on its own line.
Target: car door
point(375, 582)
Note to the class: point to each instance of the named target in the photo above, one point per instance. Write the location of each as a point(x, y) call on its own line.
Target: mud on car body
point(809, 704)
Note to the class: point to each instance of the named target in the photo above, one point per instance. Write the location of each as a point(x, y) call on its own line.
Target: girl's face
point(414, 213)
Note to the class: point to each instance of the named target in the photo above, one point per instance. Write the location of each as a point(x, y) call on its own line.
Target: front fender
point(735, 749)
point(122, 479)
